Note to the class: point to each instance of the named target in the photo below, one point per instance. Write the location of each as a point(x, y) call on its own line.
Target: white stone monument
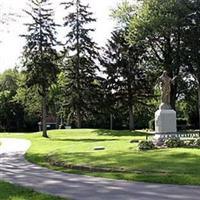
point(165, 117)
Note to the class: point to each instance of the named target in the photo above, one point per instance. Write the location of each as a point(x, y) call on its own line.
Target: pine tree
point(39, 53)
point(126, 77)
point(80, 66)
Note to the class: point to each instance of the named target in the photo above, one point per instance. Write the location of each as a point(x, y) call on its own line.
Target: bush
point(189, 143)
point(197, 142)
point(152, 124)
point(173, 142)
point(146, 145)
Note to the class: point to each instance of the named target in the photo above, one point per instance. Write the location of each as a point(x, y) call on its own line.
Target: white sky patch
point(12, 44)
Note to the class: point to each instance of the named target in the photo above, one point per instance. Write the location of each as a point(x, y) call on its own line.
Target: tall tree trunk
point(199, 103)
point(176, 70)
point(131, 118)
point(168, 60)
point(130, 104)
point(69, 118)
point(79, 120)
point(111, 121)
point(173, 96)
point(44, 95)
point(78, 117)
point(131, 111)
point(44, 113)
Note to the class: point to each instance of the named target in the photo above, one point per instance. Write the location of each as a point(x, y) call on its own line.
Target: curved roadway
point(15, 169)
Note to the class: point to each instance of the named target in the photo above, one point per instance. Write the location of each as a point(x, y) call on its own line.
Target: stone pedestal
point(165, 123)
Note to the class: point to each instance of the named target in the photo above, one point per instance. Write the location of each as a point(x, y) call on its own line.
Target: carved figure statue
point(165, 85)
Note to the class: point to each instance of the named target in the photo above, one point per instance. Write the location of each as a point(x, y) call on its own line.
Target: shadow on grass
point(156, 166)
point(119, 133)
point(81, 140)
point(182, 162)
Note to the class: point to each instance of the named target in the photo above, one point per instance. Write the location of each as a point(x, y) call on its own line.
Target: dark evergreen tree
point(126, 77)
point(191, 43)
point(40, 56)
point(80, 66)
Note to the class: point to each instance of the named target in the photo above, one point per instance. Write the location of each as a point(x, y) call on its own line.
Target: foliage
point(181, 123)
point(146, 145)
point(126, 76)
point(191, 106)
point(11, 112)
point(174, 142)
point(197, 142)
point(39, 55)
point(165, 29)
point(189, 143)
point(149, 37)
point(192, 49)
point(79, 64)
point(159, 25)
point(124, 12)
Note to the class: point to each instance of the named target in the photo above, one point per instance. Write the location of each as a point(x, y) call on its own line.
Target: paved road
point(14, 168)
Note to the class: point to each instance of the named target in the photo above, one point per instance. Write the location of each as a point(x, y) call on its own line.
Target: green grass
point(12, 192)
point(76, 147)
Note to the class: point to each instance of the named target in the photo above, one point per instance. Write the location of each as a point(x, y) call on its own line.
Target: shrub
point(146, 145)
point(173, 142)
point(197, 142)
point(189, 143)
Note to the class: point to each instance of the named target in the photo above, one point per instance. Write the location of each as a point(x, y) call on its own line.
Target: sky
point(11, 44)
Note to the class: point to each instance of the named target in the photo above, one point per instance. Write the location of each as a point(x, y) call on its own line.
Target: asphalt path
point(15, 169)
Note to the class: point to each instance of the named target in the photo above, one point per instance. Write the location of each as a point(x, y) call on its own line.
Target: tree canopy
point(83, 85)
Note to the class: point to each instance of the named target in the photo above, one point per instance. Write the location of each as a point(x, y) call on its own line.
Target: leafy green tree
point(126, 77)
point(124, 12)
point(79, 66)
point(159, 25)
point(30, 100)
point(11, 112)
point(39, 55)
point(191, 43)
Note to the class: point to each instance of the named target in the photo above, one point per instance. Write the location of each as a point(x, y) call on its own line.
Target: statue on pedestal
point(165, 117)
point(165, 85)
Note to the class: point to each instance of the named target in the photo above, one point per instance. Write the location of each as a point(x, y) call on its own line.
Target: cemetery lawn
point(13, 192)
point(75, 149)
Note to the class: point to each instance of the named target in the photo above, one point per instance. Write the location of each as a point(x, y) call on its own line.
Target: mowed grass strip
point(76, 148)
point(13, 192)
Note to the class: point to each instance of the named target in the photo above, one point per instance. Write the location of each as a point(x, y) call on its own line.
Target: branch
point(156, 53)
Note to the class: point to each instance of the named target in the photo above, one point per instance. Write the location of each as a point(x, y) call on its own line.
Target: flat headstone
point(99, 148)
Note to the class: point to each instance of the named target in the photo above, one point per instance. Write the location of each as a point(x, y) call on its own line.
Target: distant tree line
point(84, 85)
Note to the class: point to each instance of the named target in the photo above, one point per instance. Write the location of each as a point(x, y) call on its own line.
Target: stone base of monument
point(165, 125)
